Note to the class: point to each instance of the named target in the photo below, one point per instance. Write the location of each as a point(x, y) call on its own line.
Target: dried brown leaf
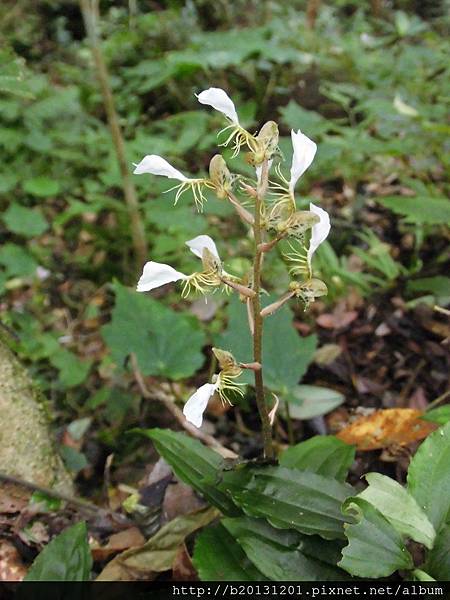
point(385, 428)
point(158, 554)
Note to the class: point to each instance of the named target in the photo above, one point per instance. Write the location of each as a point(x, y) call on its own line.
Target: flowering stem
point(257, 318)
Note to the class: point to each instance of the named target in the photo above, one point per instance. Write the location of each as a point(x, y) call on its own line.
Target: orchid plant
point(268, 208)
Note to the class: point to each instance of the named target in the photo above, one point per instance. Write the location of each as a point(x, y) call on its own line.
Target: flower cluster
point(278, 214)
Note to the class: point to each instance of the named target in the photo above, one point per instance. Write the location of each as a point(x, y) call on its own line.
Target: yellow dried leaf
point(386, 428)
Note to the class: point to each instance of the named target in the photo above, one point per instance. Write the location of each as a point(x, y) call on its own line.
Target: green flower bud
point(220, 176)
point(267, 144)
point(312, 289)
point(227, 363)
point(295, 224)
point(210, 262)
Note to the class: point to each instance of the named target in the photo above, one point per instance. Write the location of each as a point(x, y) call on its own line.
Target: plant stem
point(89, 9)
point(257, 318)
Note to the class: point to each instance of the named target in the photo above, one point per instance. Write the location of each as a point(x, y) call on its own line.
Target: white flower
point(224, 384)
point(199, 243)
point(156, 274)
point(304, 152)
point(157, 165)
point(196, 405)
point(219, 99)
point(319, 231)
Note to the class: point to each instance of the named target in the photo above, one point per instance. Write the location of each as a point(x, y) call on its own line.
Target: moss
point(27, 449)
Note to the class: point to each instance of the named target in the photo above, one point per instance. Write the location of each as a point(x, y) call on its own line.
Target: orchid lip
point(219, 99)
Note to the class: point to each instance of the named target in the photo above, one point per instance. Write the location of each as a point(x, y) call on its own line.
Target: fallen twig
point(78, 502)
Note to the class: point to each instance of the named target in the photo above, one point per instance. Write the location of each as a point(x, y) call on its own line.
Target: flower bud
point(295, 224)
point(267, 144)
point(227, 363)
point(210, 262)
point(312, 289)
point(220, 176)
point(299, 222)
point(268, 138)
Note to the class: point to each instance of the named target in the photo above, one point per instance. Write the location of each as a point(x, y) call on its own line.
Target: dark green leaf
point(165, 343)
point(439, 286)
point(17, 261)
point(72, 370)
point(420, 209)
point(429, 476)
point(218, 557)
point(291, 499)
point(193, 463)
point(66, 558)
point(399, 508)
point(75, 461)
point(41, 186)
point(323, 454)
point(308, 401)
point(438, 560)
point(309, 121)
point(276, 552)
point(286, 355)
point(375, 548)
point(439, 415)
point(24, 221)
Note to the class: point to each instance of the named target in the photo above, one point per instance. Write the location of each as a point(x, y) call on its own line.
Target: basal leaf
point(309, 401)
point(218, 557)
point(286, 355)
point(322, 454)
point(276, 552)
point(193, 463)
point(166, 343)
point(399, 507)
point(375, 548)
point(438, 560)
point(66, 558)
point(291, 499)
point(440, 415)
point(429, 476)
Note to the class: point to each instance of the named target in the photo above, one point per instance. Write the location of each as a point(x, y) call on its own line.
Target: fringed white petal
point(219, 99)
point(197, 244)
point(304, 152)
point(156, 274)
point(157, 165)
point(319, 231)
point(196, 405)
